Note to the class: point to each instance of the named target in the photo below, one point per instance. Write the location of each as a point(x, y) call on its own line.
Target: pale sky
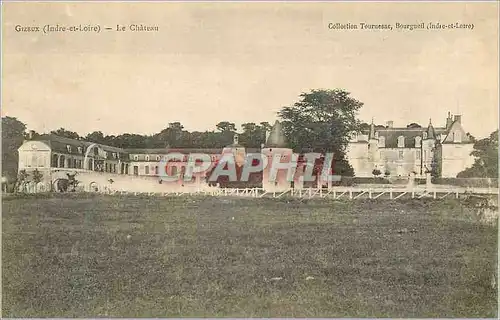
point(242, 62)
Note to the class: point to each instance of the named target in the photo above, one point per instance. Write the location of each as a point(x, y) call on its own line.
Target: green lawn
point(69, 256)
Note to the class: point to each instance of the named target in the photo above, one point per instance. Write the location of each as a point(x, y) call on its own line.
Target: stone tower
point(428, 145)
point(275, 146)
point(373, 152)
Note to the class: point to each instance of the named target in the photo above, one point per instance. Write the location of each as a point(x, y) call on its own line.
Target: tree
point(486, 159)
point(66, 133)
point(128, 140)
point(387, 173)
point(226, 126)
point(436, 164)
point(22, 178)
point(471, 137)
point(227, 130)
point(376, 172)
point(172, 136)
point(12, 138)
point(97, 137)
point(414, 125)
point(253, 134)
point(37, 176)
point(322, 120)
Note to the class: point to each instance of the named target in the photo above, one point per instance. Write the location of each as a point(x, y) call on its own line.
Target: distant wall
point(467, 182)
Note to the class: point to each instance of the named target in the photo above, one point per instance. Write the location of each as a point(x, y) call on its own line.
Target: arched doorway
point(54, 163)
point(62, 161)
point(94, 161)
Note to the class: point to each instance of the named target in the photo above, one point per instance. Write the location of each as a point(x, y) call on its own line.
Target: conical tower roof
point(276, 137)
point(431, 133)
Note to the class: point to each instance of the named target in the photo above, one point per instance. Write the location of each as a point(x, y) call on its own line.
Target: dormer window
point(68, 147)
point(424, 135)
point(136, 157)
point(157, 158)
point(147, 158)
point(418, 141)
point(457, 136)
point(401, 142)
point(80, 150)
point(114, 155)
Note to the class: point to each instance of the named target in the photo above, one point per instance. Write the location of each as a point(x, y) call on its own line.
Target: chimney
point(31, 134)
point(449, 121)
point(458, 118)
point(390, 124)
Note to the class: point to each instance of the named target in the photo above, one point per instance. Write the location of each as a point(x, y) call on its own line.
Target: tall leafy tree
point(413, 125)
point(253, 135)
point(322, 120)
point(171, 136)
point(97, 137)
point(13, 134)
point(66, 133)
point(486, 158)
point(227, 130)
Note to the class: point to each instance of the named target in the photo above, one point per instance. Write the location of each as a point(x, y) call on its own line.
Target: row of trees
point(175, 136)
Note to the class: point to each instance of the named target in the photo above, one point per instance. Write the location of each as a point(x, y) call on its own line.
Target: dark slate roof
point(431, 133)
point(391, 135)
point(454, 127)
point(59, 144)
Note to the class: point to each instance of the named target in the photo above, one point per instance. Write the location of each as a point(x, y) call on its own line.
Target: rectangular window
point(146, 169)
point(136, 170)
point(41, 161)
point(400, 154)
point(156, 170)
point(419, 154)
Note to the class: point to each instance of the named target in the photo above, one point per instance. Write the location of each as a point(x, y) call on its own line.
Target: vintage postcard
point(249, 159)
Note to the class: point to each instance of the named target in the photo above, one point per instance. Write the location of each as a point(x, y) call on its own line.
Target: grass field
point(110, 256)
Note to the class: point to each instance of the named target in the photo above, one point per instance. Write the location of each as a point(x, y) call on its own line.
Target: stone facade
point(50, 154)
point(399, 152)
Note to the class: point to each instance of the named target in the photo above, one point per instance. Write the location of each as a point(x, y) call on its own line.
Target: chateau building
point(403, 151)
point(49, 153)
point(392, 151)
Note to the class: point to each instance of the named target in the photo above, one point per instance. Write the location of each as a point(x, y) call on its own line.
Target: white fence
point(333, 193)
